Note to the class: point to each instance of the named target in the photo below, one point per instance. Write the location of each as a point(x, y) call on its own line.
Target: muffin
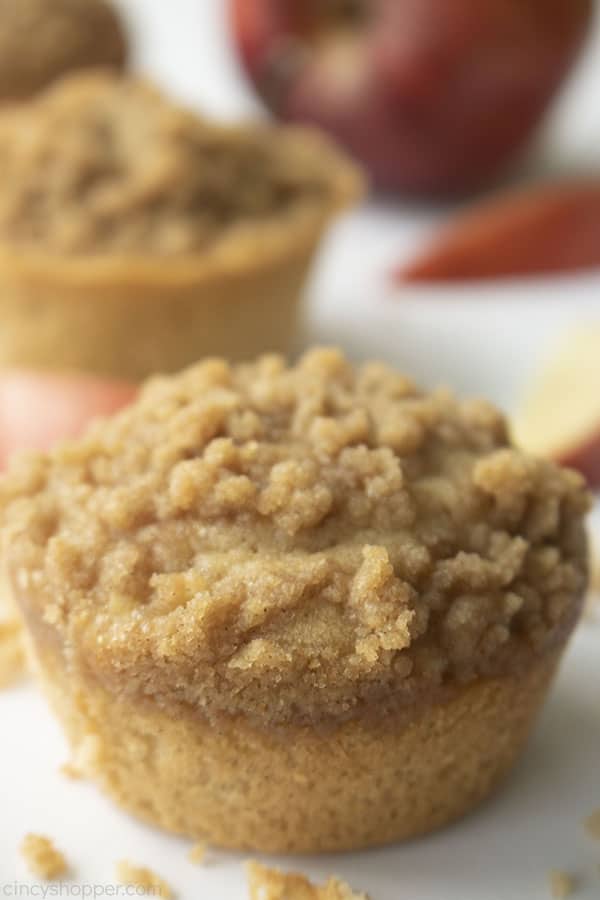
point(40, 40)
point(305, 608)
point(136, 237)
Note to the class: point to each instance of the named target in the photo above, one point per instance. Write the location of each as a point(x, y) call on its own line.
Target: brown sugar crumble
point(144, 878)
point(116, 168)
point(247, 527)
point(592, 825)
point(562, 884)
point(270, 884)
point(42, 857)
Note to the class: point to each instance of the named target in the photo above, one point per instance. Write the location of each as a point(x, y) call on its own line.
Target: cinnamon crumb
point(592, 825)
point(561, 884)
point(42, 857)
point(270, 884)
point(198, 853)
point(144, 878)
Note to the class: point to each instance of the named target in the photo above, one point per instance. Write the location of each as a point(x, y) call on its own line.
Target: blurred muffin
point(136, 237)
point(296, 609)
point(41, 40)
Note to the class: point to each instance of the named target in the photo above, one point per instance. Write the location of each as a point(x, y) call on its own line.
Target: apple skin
point(585, 458)
point(38, 409)
point(435, 97)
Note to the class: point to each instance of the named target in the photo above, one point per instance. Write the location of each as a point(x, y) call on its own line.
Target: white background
point(481, 340)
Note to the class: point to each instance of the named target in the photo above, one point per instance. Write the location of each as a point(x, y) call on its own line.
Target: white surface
point(483, 340)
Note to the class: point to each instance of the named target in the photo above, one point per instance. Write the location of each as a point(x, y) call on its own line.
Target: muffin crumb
point(592, 824)
point(71, 771)
point(12, 655)
point(42, 857)
point(197, 853)
point(271, 884)
point(145, 878)
point(561, 884)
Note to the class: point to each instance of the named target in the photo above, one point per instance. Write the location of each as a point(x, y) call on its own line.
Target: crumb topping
point(103, 164)
point(296, 542)
point(42, 857)
point(144, 878)
point(270, 884)
point(42, 39)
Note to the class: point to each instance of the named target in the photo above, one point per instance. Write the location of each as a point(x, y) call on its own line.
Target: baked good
point(40, 40)
point(297, 608)
point(136, 237)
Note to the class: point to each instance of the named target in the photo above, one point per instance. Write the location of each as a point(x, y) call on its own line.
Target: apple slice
point(539, 230)
point(37, 409)
point(560, 416)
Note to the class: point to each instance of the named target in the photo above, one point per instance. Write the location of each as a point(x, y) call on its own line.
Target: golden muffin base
point(299, 789)
point(130, 320)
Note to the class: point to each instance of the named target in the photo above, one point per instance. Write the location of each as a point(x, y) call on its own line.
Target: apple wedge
point(37, 409)
point(560, 415)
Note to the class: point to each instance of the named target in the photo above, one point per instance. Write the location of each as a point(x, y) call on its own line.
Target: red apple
point(560, 415)
point(38, 409)
point(434, 96)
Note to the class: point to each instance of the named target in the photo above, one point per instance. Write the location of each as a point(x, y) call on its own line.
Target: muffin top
point(104, 164)
point(295, 543)
point(42, 39)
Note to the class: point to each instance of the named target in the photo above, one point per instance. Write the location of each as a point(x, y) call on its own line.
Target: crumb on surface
point(12, 653)
point(197, 853)
point(144, 878)
point(70, 770)
point(561, 884)
point(271, 884)
point(592, 824)
point(42, 857)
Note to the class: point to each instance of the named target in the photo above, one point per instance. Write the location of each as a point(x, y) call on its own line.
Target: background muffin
point(41, 40)
point(136, 237)
point(306, 608)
